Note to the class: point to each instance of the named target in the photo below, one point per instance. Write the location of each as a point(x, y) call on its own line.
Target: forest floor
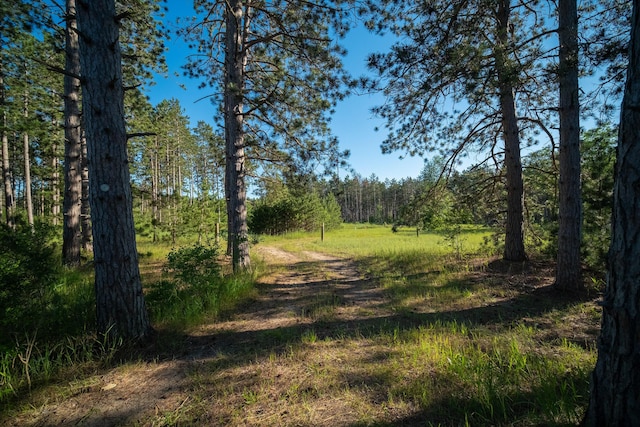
point(295, 354)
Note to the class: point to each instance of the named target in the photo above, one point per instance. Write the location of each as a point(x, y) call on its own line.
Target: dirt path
point(308, 291)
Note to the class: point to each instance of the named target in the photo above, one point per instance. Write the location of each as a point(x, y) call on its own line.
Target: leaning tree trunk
point(120, 305)
point(615, 383)
point(514, 232)
point(235, 63)
point(568, 269)
point(72, 202)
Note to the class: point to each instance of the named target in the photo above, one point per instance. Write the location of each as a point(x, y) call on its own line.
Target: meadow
point(364, 327)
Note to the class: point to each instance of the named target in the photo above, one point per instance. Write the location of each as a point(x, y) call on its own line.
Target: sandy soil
point(137, 394)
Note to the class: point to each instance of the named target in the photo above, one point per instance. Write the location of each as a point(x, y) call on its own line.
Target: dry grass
point(405, 338)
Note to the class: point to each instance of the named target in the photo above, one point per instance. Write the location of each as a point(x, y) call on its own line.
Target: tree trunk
point(514, 236)
point(27, 164)
point(9, 200)
point(120, 305)
point(27, 179)
point(568, 271)
point(154, 190)
point(615, 382)
point(55, 184)
point(235, 63)
point(72, 203)
point(85, 209)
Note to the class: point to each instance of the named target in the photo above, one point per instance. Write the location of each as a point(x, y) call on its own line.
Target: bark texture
point(514, 232)
point(237, 21)
point(72, 202)
point(120, 303)
point(9, 200)
point(568, 270)
point(615, 382)
point(85, 209)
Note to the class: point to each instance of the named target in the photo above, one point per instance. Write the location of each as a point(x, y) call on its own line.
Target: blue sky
point(353, 123)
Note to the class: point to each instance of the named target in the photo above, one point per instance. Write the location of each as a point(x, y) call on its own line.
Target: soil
point(134, 394)
point(242, 369)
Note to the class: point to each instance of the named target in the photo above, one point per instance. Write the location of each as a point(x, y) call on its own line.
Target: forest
point(125, 225)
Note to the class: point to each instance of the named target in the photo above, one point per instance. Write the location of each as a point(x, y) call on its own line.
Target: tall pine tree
point(280, 73)
point(463, 78)
point(615, 382)
point(120, 303)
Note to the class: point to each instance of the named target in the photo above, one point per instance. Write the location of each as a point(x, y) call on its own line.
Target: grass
point(462, 339)
point(63, 340)
point(474, 341)
point(359, 240)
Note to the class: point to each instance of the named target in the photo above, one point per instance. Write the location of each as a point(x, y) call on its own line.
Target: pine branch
point(57, 69)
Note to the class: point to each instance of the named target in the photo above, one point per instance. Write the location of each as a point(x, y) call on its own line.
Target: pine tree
point(464, 77)
point(14, 19)
point(615, 382)
point(281, 74)
point(568, 268)
point(120, 303)
point(72, 200)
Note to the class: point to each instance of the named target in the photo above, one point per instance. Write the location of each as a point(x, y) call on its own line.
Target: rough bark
point(72, 202)
point(55, 184)
point(85, 209)
point(615, 382)
point(235, 63)
point(568, 270)
point(514, 231)
point(120, 305)
point(9, 200)
point(27, 178)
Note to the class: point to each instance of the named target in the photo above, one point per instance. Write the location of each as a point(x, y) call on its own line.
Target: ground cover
point(367, 327)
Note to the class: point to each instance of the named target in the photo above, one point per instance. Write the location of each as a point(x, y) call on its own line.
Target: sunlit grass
point(359, 240)
point(467, 348)
point(453, 345)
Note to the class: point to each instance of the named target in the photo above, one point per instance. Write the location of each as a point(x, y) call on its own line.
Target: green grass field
point(461, 338)
point(358, 240)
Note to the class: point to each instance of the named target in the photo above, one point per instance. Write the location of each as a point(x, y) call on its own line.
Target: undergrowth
point(461, 339)
point(49, 314)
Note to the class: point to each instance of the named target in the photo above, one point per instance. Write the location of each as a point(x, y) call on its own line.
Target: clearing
point(306, 351)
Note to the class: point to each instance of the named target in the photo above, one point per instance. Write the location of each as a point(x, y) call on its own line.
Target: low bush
point(194, 288)
point(29, 273)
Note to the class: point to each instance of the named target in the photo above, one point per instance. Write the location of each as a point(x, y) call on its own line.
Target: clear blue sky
point(352, 123)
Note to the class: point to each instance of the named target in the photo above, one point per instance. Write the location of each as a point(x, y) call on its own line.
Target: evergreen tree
point(280, 72)
point(72, 201)
point(15, 18)
point(615, 382)
point(464, 76)
point(120, 303)
point(568, 268)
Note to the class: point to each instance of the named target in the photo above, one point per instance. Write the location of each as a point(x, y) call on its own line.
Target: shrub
point(29, 271)
point(194, 289)
point(196, 266)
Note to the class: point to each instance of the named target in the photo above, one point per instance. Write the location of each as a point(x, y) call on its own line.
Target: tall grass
point(451, 345)
point(361, 240)
point(459, 372)
point(60, 337)
point(468, 348)
point(194, 288)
